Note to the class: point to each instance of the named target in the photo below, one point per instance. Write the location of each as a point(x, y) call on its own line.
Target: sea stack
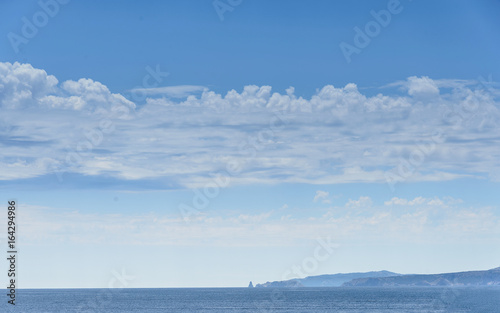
point(250, 285)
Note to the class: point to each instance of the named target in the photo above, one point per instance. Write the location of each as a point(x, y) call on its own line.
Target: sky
point(212, 143)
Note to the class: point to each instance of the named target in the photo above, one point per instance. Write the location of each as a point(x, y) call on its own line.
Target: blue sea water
point(303, 300)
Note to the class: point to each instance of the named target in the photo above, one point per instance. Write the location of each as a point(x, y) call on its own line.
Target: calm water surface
point(304, 300)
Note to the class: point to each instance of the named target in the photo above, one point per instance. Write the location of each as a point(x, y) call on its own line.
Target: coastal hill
point(332, 280)
point(388, 279)
point(473, 278)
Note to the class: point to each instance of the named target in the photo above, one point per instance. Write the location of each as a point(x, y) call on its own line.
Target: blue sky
point(278, 43)
point(191, 147)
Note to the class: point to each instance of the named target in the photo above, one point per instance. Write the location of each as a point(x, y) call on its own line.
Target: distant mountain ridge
point(329, 280)
point(386, 279)
point(471, 278)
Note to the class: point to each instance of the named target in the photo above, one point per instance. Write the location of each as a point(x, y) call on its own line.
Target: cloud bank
point(338, 135)
point(418, 220)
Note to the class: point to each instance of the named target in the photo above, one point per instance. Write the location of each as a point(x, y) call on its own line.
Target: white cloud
point(93, 95)
point(22, 85)
point(338, 135)
point(180, 91)
point(419, 201)
point(322, 195)
point(422, 86)
point(396, 201)
point(417, 224)
point(362, 202)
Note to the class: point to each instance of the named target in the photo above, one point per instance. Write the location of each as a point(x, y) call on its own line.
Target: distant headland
point(389, 279)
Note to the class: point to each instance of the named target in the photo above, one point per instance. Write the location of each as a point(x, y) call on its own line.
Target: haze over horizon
point(176, 148)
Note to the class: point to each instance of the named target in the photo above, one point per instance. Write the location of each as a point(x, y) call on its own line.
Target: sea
point(295, 300)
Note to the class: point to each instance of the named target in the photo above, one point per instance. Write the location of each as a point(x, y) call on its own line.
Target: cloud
point(422, 86)
point(425, 86)
point(401, 201)
point(419, 201)
point(322, 195)
point(362, 202)
point(180, 91)
point(22, 85)
point(453, 223)
point(252, 136)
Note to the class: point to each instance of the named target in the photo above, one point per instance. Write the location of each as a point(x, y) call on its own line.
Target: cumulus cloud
point(422, 86)
point(94, 95)
point(253, 136)
point(22, 85)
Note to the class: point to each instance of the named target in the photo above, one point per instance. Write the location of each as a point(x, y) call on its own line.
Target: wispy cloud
point(181, 91)
point(436, 220)
point(322, 195)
